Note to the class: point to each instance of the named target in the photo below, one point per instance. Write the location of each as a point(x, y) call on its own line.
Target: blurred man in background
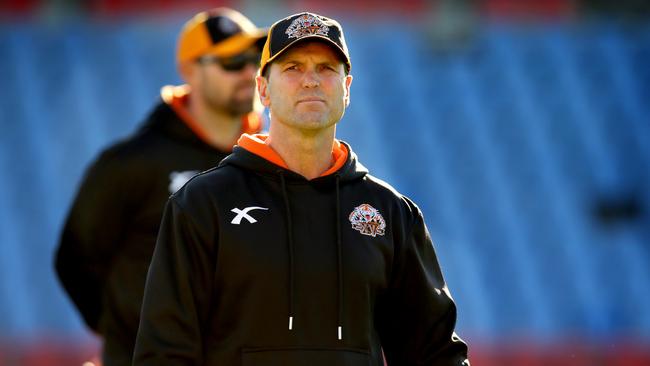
point(109, 236)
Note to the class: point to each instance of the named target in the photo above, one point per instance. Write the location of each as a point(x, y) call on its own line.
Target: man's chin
point(312, 121)
point(241, 107)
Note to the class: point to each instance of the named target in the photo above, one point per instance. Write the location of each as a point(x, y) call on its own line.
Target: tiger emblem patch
point(367, 220)
point(307, 25)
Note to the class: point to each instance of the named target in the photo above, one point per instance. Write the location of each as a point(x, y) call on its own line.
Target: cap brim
point(238, 43)
point(313, 37)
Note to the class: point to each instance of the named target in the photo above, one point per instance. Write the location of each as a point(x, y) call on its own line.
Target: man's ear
point(348, 83)
point(263, 90)
point(186, 71)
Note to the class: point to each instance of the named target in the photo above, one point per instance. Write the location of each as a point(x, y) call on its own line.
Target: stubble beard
point(232, 104)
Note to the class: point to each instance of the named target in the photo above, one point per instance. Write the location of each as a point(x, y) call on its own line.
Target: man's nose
point(310, 79)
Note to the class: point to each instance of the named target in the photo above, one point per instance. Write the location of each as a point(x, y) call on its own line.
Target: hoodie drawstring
point(339, 265)
point(291, 249)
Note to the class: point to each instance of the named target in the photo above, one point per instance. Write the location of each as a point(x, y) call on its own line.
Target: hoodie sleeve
point(417, 316)
point(177, 291)
point(91, 236)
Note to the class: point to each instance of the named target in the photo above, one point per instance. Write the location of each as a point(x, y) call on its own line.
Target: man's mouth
point(311, 99)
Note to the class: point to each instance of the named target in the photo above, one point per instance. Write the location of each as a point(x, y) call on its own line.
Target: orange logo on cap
point(367, 220)
point(306, 25)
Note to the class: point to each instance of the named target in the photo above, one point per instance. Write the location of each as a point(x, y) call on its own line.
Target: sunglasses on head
point(234, 63)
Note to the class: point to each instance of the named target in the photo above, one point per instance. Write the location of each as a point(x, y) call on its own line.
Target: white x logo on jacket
point(243, 214)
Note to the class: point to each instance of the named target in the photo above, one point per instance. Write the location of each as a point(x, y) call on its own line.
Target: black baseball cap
point(298, 27)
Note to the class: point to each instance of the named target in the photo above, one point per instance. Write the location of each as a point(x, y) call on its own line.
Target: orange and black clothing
point(108, 238)
point(256, 265)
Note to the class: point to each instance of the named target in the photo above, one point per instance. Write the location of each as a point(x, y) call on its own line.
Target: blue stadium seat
point(506, 144)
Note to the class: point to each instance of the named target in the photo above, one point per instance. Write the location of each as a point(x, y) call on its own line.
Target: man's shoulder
point(386, 191)
point(123, 154)
point(220, 175)
point(381, 187)
point(144, 142)
point(207, 191)
point(213, 181)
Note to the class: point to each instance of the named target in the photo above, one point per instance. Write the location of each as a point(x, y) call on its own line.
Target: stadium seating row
point(527, 149)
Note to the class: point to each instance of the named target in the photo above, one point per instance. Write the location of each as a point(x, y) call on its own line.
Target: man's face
point(228, 84)
point(307, 87)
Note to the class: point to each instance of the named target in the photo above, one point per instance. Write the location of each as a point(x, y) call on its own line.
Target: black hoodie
point(109, 235)
point(255, 265)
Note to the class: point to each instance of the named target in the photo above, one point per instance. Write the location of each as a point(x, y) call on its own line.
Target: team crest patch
point(367, 220)
point(306, 25)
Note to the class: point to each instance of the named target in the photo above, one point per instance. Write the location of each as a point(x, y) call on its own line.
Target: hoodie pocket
point(305, 356)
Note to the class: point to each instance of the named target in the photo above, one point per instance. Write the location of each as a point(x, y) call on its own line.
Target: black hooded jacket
point(255, 265)
point(110, 232)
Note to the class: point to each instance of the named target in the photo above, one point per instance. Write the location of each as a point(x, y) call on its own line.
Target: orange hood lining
point(256, 144)
point(177, 96)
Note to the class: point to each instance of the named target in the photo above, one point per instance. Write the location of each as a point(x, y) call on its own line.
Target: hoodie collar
point(256, 144)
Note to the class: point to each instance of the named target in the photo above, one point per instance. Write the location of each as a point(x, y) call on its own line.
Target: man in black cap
point(111, 230)
point(289, 253)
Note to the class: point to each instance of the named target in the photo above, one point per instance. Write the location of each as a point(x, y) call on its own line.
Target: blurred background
point(520, 127)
